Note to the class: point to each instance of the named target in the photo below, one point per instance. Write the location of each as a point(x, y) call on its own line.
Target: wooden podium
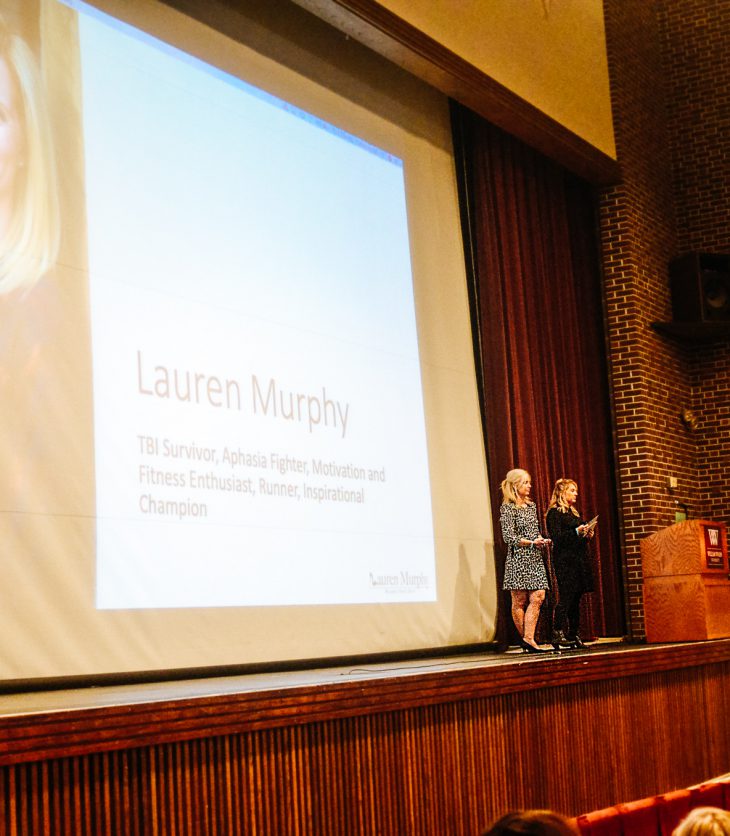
point(686, 585)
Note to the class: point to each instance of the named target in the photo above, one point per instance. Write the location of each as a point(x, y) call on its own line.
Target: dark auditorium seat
point(657, 815)
point(673, 807)
point(708, 795)
point(640, 818)
point(605, 822)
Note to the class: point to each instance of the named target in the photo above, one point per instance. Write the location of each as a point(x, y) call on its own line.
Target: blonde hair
point(511, 482)
point(704, 821)
point(557, 500)
point(30, 244)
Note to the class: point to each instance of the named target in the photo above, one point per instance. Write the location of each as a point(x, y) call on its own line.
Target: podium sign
point(715, 545)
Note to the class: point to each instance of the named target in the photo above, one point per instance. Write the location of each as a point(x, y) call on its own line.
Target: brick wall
point(667, 72)
point(697, 70)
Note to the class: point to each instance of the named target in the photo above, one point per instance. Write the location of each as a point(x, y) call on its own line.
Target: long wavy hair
point(29, 247)
point(557, 500)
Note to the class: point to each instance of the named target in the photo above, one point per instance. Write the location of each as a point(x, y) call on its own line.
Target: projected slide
point(259, 432)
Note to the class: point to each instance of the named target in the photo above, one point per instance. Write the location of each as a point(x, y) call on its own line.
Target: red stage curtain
point(531, 247)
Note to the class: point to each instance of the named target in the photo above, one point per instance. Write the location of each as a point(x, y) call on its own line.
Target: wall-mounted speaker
point(700, 284)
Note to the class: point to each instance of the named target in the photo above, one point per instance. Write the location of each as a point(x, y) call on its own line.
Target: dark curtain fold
point(530, 234)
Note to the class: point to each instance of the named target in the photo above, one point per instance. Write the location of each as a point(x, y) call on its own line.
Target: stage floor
point(84, 698)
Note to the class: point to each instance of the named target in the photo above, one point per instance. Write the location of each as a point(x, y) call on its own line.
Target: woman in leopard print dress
point(524, 574)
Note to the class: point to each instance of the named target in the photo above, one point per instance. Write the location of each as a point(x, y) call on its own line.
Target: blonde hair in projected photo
point(29, 213)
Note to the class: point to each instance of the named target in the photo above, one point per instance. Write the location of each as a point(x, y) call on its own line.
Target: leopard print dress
point(524, 568)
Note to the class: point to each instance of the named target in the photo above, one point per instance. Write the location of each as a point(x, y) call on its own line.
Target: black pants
point(567, 612)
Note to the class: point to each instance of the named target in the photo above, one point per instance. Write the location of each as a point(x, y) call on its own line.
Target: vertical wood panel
point(448, 767)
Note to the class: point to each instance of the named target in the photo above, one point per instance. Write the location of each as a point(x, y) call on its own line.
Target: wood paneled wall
point(421, 754)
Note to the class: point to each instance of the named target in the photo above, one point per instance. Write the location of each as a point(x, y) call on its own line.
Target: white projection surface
point(259, 429)
point(241, 422)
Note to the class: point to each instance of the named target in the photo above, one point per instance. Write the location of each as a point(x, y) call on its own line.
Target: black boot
point(559, 640)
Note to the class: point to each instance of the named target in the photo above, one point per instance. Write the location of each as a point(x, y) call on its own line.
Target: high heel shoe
point(576, 642)
point(530, 648)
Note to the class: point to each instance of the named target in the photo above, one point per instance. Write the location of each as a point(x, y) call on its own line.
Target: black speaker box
point(700, 284)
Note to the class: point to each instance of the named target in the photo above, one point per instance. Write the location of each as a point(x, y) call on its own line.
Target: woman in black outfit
point(570, 535)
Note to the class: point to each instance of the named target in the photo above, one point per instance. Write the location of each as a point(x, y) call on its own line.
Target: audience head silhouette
point(532, 823)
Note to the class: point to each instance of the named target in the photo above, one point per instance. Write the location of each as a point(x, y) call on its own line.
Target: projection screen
point(241, 422)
